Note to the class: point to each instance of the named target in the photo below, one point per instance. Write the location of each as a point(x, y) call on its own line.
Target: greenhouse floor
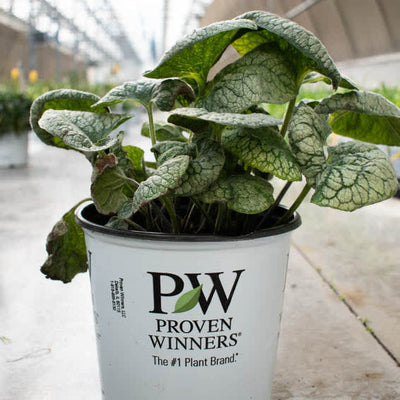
point(340, 336)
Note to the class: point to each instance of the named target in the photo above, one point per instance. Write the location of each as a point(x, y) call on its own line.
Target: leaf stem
point(288, 117)
point(220, 217)
point(171, 212)
point(294, 206)
point(153, 138)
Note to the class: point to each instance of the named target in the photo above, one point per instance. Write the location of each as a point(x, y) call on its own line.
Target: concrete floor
point(344, 269)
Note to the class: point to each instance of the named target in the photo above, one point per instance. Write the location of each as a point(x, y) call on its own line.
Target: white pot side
point(13, 149)
point(222, 348)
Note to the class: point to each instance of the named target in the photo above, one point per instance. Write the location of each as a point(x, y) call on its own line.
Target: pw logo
point(196, 295)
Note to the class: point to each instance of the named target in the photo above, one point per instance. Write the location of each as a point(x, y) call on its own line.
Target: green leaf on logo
point(356, 175)
point(306, 52)
point(264, 75)
point(193, 56)
point(163, 93)
point(364, 116)
point(188, 300)
point(82, 130)
point(307, 134)
point(263, 149)
point(66, 249)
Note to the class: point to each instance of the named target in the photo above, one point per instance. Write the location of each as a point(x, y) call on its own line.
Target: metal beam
point(302, 7)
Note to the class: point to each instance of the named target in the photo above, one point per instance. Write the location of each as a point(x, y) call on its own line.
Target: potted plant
point(187, 253)
point(14, 128)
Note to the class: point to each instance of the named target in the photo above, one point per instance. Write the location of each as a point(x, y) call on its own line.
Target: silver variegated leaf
point(186, 116)
point(166, 177)
point(82, 130)
point(60, 99)
point(264, 75)
point(356, 175)
point(263, 149)
point(203, 170)
point(307, 134)
point(307, 52)
point(162, 92)
point(242, 193)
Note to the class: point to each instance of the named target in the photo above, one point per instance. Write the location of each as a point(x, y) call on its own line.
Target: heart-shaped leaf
point(264, 75)
point(66, 249)
point(263, 149)
point(61, 99)
point(162, 92)
point(82, 130)
point(164, 132)
point(188, 300)
point(304, 49)
point(193, 56)
point(364, 116)
point(166, 177)
point(242, 193)
point(203, 170)
point(308, 132)
point(191, 117)
point(356, 175)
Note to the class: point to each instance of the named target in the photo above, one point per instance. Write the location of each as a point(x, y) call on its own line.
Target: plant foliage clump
point(216, 155)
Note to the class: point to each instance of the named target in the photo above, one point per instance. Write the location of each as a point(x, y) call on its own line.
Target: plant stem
point(220, 217)
point(275, 205)
point(171, 212)
point(135, 225)
point(203, 211)
point(295, 205)
point(288, 117)
point(153, 138)
point(188, 216)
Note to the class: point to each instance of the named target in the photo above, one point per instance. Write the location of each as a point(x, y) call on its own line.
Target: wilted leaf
point(66, 249)
point(82, 130)
point(264, 75)
point(107, 189)
point(364, 116)
point(188, 300)
point(357, 174)
point(263, 149)
point(307, 134)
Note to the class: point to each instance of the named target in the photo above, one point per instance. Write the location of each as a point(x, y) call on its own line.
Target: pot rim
point(86, 210)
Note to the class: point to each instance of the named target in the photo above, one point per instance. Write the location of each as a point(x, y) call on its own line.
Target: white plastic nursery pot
point(180, 316)
point(13, 149)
